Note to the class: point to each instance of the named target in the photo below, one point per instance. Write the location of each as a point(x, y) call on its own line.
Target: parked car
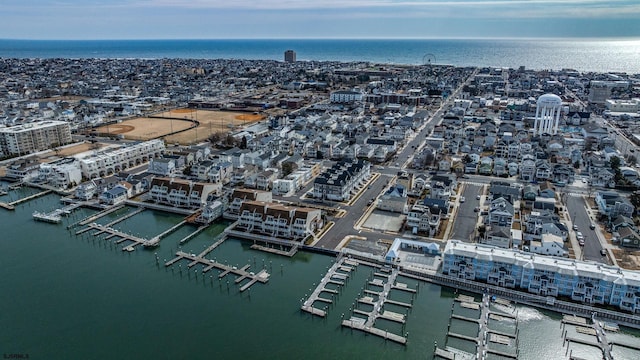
point(575, 227)
point(477, 197)
point(603, 252)
point(462, 199)
point(592, 226)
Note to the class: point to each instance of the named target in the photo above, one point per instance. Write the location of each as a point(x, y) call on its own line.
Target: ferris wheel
point(428, 59)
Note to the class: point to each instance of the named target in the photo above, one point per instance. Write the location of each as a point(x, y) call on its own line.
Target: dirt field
point(72, 150)
point(211, 121)
point(144, 128)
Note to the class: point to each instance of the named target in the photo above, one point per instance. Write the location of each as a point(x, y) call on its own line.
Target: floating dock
point(378, 312)
point(56, 215)
point(485, 334)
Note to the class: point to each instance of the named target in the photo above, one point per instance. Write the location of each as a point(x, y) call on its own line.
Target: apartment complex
point(181, 193)
point(586, 282)
point(278, 220)
point(32, 137)
point(112, 161)
point(339, 181)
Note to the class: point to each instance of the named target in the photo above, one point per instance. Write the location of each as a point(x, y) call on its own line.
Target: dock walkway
point(55, 216)
point(485, 334)
point(378, 312)
point(97, 216)
point(113, 232)
point(242, 273)
point(12, 205)
point(329, 278)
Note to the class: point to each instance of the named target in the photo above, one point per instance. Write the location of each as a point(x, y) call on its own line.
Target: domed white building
point(547, 114)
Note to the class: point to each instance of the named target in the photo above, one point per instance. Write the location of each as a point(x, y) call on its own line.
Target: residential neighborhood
point(521, 161)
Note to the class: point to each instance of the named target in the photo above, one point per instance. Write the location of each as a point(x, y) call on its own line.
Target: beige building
point(33, 137)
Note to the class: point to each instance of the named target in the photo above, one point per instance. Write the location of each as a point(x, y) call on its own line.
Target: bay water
point(67, 296)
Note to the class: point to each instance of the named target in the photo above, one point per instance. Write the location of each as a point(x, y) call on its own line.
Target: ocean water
point(579, 54)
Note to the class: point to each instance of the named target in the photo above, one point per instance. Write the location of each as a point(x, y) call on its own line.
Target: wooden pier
point(289, 253)
point(12, 205)
point(97, 216)
point(193, 234)
point(360, 324)
point(55, 216)
point(155, 241)
point(113, 232)
point(242, 273)
point(368, 325)
point(329, 278)
point(485, 335)
point(125, 217)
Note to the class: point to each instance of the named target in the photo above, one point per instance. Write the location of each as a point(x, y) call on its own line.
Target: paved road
point(345, 226)
point(592, 246)
point(466, 219)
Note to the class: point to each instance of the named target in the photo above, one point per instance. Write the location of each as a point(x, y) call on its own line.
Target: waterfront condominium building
point(181, 193)
point(112, 161)
point(32, 137)
point(290, 56)
point(582, 281)
point(276, 220)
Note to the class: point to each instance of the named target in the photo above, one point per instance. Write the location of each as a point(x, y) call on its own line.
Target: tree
point(288, 168)
point(614, 163)
point(230, 140)
point(215, 137)
point(634, 198)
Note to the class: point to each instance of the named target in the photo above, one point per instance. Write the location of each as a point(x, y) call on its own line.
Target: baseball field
point(167, 123)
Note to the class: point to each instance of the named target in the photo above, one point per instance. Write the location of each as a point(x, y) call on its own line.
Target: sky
point(224, 19)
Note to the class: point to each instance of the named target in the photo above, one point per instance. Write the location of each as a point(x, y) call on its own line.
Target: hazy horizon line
point(585, 38)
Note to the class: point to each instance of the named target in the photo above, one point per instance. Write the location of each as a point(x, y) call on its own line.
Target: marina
point(343, 288)
point(337, 275)
point(208, 264)
point(56, 215)
point(12, 205)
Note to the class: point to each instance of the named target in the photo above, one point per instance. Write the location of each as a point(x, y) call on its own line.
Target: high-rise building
point(290, 56)
point(32, 137)
point(547, 114)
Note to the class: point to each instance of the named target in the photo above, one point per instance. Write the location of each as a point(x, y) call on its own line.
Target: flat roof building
point(290, 56)
point(33, 137)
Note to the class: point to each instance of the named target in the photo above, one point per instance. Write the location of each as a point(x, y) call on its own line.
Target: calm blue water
point(584, 55)
point(67, 296)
